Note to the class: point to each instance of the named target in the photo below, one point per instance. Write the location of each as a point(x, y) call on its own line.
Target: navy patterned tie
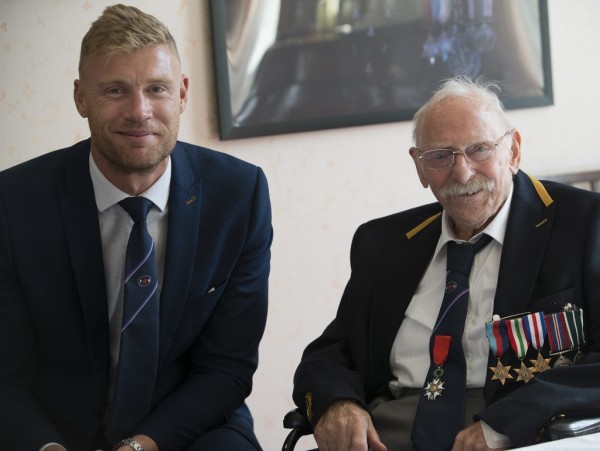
point(138, 354)
point(441, 411)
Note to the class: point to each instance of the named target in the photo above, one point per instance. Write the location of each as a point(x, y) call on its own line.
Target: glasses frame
point(462, 152)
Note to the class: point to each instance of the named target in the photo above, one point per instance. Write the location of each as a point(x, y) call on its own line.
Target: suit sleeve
point(224, 356)
point(328, 369)
point(23, 424)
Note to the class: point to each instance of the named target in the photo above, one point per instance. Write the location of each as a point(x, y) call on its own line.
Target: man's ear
point(79, 98)
point(515, 152)
point(183, 92)
point(414, 153)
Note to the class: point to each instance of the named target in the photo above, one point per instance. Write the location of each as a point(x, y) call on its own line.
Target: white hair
point(461, 86)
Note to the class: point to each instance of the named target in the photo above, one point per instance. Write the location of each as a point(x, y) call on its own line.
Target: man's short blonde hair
point(124, 29)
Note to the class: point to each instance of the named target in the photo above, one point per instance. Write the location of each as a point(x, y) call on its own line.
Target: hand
point(147, 443)
point(346, 426)
point(471, 439)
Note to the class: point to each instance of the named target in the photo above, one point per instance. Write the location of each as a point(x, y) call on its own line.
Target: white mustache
point(471, 187)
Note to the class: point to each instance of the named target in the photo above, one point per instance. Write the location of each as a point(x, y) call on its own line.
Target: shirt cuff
point(50, 444)
point(494, 439)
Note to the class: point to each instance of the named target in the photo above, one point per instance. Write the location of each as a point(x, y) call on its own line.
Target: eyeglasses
point(475, 153)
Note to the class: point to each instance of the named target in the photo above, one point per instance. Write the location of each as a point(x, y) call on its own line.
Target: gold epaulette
point(541, 190)
point(421, 226)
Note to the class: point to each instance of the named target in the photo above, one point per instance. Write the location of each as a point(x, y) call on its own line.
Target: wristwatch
point(129, 442)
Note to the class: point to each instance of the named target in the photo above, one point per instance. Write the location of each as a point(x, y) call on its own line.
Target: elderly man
point(431, 350)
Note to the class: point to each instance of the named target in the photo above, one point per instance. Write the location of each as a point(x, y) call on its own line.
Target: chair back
point(589, 180)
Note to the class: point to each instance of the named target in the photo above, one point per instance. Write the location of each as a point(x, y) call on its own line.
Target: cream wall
point(323, 184)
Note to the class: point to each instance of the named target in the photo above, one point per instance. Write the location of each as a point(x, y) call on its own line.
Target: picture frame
point(286, 66)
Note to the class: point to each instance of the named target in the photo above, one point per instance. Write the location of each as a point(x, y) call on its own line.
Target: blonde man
point(81, 368)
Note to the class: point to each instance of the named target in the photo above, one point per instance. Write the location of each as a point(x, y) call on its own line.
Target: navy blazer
point(54, 341)
point(551, 256)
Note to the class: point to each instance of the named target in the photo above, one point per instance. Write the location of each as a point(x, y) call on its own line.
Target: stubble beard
point(134, 160)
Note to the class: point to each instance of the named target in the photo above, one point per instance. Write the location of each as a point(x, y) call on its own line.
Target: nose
point(461, 169)
point(140, 108)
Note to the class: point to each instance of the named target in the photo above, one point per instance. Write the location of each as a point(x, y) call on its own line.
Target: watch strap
point(131, 443)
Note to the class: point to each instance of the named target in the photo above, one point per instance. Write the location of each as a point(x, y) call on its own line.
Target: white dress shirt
point(115, 227)
point(409, 359)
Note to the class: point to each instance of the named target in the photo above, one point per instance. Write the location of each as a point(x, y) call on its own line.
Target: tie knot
point(136, 207)
point(460, 256)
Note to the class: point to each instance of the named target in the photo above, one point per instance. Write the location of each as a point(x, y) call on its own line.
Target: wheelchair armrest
point(299, 426)
point(565, 426)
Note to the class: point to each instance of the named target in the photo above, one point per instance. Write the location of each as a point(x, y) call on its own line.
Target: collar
point(108, 194)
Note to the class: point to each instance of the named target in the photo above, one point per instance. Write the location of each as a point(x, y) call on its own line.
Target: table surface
point(589, 442)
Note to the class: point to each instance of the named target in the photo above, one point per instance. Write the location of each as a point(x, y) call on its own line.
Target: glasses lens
point(437, 158)
point(480, 152)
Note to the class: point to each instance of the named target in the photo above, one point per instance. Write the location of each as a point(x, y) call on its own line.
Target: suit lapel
point(529, 225)
point(82, 233)
point(399, 277)
point(528, 231)
point(183, 230)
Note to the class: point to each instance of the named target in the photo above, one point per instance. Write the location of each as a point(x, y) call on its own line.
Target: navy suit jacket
point(551, 256)
point(54, 342)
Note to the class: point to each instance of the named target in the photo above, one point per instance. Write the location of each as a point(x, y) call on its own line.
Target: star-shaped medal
point(434, 389)
point(540, 364)
point(525, 374)
point(501, 372)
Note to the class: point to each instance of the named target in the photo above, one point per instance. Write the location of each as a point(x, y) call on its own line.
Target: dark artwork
point(297, 65)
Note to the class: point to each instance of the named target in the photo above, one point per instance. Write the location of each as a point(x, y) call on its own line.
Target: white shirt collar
point(108, 194)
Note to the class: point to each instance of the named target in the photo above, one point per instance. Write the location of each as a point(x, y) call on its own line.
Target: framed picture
point(297, 65)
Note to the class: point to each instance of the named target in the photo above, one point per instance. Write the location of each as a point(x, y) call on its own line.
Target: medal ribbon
point(557, 332)
point(496, 333)
point(441, 348)
point(535, 329)
point(574, 322)
point(516, 337)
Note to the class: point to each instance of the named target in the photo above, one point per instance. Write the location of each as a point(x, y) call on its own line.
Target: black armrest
point(299, 426)
point(566, 426)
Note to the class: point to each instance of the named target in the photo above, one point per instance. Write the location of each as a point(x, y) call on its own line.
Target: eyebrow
point(449, 147)
point(118, 81)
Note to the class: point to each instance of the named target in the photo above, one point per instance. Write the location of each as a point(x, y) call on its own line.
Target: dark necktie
point(441, 410)
point(138, 352)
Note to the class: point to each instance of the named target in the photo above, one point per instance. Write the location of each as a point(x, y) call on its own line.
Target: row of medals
point(500, 372)
point(539, 365)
